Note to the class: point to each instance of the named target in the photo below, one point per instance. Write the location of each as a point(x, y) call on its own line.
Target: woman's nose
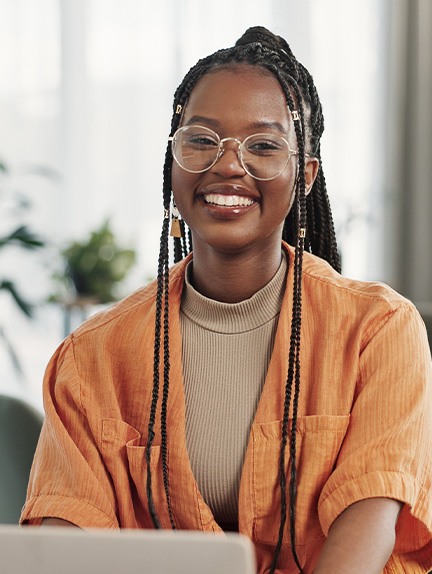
point(228, 163)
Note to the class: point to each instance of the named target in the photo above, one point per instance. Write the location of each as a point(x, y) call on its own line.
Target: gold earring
point(175, 230)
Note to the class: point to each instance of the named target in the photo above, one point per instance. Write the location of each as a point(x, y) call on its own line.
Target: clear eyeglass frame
point(242, 145)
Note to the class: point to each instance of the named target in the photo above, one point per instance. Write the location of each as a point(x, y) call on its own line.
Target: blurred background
point(85, 105)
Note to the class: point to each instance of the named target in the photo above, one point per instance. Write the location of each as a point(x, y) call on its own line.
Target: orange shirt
point(364, 426)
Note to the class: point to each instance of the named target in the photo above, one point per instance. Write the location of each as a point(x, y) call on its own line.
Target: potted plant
point(93, 269)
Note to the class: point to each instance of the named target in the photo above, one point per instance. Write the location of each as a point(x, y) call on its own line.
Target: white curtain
point(408, 166)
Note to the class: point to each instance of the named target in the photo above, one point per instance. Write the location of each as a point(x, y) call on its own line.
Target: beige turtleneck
point(226, 353)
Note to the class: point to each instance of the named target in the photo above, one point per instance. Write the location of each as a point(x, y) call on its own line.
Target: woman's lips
point(226, 205)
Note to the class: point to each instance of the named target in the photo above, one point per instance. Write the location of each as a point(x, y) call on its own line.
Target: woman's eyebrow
point(266, 124)
point(202, 120)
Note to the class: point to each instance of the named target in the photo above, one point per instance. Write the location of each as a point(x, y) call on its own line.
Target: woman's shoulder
point(351, 310)
point(321, 280)
point(134, 308)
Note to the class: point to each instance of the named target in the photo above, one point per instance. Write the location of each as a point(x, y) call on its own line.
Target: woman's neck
point(232, 278)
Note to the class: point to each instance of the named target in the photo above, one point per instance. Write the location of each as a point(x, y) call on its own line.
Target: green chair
point(20, 426)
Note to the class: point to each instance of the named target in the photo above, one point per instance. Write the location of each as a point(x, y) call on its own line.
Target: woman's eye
point(201, 141)
point(263, 146)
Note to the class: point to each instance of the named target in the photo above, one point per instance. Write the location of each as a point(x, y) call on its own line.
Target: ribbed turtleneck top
point(226, 353)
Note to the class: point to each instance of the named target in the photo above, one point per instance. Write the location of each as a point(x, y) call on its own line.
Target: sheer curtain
point(408, 166)
point(86, 88)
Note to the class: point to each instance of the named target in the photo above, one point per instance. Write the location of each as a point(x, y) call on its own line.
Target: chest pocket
point(126, 463)
point(318, 442)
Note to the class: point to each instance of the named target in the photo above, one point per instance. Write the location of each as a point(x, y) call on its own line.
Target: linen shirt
point(364, 424)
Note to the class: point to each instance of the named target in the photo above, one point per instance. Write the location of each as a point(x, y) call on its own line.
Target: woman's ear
point(311, 171)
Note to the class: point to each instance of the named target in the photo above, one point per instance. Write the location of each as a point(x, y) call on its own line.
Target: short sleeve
point(387, 451)
point(68, 479)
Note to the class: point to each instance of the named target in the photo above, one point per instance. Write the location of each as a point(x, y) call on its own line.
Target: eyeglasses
point(263, 156)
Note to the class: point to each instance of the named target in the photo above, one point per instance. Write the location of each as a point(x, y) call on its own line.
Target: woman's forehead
point(244, 94)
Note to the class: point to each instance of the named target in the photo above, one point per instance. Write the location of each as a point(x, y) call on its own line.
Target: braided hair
point(309, 225)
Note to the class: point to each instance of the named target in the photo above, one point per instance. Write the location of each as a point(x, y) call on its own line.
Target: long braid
point(321, 237)
point(296, 331)
point(178, 249)
point(325, 221)
point(156, 362)
point(164, 406)
point(161, 296)
point(293, 377)
point(309, 215)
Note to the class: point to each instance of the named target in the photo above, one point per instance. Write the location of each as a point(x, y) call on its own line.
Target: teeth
point(229, 200)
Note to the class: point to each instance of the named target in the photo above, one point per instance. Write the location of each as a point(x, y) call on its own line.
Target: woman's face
point(236, 103)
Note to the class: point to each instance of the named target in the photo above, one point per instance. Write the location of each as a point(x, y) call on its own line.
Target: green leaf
point(25, 307)
point(23, 237)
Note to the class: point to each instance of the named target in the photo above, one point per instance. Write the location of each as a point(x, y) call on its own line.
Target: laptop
point(59, 550)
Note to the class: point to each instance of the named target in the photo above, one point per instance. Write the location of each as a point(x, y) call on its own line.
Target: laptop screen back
point(51, 550)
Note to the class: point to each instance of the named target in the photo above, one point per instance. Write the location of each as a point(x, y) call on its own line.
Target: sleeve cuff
point(414, 527)
point(79, 512)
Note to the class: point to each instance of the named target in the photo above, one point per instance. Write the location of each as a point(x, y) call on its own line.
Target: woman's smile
point(227, 201)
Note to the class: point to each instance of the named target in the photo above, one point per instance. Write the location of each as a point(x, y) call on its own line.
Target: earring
point(175, 230)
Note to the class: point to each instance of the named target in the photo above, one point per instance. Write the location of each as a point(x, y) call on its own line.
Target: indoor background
point(85, 106)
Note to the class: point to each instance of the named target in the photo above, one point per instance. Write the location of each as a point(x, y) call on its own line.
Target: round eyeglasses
point(263, 156)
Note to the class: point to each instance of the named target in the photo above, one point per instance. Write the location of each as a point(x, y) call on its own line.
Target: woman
point(251, 387)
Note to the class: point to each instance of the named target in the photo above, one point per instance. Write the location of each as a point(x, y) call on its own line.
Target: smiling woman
point(246, 388)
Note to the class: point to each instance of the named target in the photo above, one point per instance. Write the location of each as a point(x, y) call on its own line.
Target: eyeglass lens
point(263, 156)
